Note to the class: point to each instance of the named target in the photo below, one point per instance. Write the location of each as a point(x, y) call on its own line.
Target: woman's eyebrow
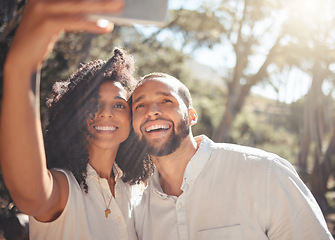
point(119, 97)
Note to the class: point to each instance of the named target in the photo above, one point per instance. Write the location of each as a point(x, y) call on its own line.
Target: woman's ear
point(192, 116)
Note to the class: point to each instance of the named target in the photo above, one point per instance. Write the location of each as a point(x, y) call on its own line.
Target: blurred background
point(261, 73)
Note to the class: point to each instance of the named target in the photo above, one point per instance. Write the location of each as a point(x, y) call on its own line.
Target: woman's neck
point(102, 160)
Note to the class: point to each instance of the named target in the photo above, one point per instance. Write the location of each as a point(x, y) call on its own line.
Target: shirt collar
point(193, 168)
point(118, 173)
point(156, 185)
point(91, 173)
point(199, 160)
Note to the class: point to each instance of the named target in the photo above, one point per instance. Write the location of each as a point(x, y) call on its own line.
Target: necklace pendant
point(107, 211)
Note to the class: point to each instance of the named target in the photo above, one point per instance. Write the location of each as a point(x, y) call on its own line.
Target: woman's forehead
point(113, 88)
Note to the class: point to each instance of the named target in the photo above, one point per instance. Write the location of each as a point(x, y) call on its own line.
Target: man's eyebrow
point(138, 99)
point(163, 93)
point(156, 93)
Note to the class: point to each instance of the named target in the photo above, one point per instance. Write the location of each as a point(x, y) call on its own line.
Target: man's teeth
point(105, 128)
point(157, 127)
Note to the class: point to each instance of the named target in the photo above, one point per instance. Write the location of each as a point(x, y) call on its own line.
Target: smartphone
point(145, 12)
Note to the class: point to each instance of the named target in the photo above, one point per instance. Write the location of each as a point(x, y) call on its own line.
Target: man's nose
point(153, 110)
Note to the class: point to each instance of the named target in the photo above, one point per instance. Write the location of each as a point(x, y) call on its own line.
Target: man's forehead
point(159, 84)
point(155, 86)
point(170, 81)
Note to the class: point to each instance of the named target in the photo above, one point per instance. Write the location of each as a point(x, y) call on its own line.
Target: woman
point(80, 195)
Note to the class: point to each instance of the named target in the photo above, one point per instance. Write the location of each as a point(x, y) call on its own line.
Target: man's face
point(160, 117)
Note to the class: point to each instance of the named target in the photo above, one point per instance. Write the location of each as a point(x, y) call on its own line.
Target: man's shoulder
point(247, 156)
point(243, 150)
point(237, 150)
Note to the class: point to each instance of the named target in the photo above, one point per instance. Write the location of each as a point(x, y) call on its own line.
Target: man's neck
point(171, 168)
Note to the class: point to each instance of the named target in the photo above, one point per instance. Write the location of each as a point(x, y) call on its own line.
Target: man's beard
point(172, 143)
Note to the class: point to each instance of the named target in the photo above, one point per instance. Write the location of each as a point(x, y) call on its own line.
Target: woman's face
point(111, 123)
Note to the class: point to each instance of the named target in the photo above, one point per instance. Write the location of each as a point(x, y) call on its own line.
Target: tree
point(312, 50)
point(295, 38)
point(241, 26)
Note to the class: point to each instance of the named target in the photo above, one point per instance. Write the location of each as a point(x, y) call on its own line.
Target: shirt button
point(180, 205)
point(119, 219)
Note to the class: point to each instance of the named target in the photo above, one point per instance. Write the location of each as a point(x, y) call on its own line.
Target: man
point(206, 190)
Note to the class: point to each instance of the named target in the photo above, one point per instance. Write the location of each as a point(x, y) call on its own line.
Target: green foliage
point(282, 143)
point(294, 122)
point(200, 28)
point(163, 59)
point(255, 127)
point(206, 101)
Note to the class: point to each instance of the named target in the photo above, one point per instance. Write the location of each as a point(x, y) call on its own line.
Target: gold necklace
point(107, 211)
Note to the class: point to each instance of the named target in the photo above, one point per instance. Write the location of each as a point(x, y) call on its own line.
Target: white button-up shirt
point(232, 192)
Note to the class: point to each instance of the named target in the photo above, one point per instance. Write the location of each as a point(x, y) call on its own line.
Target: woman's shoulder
point(67, 177)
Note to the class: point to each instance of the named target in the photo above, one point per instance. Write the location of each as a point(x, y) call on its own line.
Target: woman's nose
point(106, 111)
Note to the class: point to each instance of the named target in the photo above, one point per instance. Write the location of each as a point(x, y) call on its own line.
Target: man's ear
point(192, 116)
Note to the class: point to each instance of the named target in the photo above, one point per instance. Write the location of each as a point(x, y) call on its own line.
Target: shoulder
point(243, 151)
point(246, 157)
point(67, 176)
point(234, 152)
point(58, 198)
point(70, 188)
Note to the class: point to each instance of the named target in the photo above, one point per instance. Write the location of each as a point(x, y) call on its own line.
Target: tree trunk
point(305, 141)
point(320, 174)
point(237, 92)
point(330, 153)
point(222, 133)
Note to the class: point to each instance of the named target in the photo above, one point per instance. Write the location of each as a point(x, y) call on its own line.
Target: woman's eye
point(120, 105)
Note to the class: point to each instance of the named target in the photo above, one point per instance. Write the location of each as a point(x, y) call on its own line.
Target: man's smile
point(157, 128)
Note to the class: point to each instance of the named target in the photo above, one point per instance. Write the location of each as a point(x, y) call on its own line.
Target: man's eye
point(139, 106)
point(167, 101)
